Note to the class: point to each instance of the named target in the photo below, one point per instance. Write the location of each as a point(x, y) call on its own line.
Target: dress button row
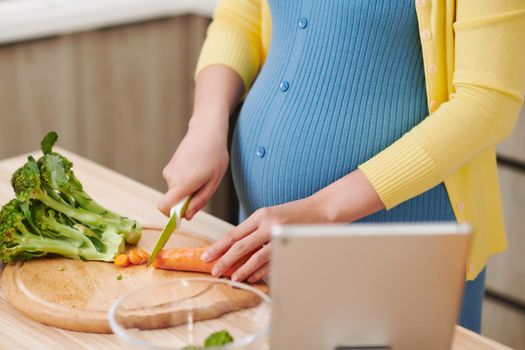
point(284, 86)
point(420, 3)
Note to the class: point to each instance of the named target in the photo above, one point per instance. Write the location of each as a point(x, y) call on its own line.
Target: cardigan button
point(433, 105)
point(471, 268)
point(461, 206)
point(420, 3)
point(426, 34)
point(432, 69)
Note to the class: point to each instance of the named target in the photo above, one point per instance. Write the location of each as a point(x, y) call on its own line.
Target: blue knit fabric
point(342, 81)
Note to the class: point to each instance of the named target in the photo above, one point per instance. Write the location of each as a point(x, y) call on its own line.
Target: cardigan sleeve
point(234, 39)
point(489, 80)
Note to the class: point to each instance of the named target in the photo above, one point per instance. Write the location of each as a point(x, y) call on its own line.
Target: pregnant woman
point(355, 110)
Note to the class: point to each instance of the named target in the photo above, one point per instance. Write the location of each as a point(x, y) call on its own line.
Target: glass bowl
point(182, 312)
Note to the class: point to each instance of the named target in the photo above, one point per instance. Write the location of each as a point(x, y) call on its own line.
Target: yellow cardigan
point(474, 60)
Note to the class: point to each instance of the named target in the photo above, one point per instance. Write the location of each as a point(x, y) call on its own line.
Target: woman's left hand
point(253, 236)
point(346, 200)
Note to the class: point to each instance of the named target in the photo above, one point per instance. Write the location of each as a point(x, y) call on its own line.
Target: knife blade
point(176, 214)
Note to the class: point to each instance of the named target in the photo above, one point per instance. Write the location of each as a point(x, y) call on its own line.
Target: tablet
point(367, 286)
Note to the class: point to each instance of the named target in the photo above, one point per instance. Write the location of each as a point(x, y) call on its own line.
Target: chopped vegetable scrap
point(138, 256)
point(214, 339)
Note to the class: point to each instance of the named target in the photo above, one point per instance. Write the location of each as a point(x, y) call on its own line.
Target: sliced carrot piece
point(121, 260)
point(137, 256)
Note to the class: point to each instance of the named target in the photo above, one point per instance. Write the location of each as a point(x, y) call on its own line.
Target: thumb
point(172, 197)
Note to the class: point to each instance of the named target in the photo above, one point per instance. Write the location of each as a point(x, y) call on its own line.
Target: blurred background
point(114, 78)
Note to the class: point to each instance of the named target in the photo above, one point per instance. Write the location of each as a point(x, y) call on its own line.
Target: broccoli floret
point(27, 184)
point(19, 241)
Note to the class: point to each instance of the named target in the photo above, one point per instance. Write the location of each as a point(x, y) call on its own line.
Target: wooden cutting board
point(76, 295)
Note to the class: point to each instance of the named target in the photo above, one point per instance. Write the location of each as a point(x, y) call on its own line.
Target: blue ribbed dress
point(343, 80)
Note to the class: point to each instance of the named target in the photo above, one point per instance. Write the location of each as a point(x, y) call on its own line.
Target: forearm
point(218, 90)
point(350, 198)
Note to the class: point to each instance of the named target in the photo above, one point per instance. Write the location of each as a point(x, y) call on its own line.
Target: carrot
point(137, 256)
point(189, 259)
point(121, 260)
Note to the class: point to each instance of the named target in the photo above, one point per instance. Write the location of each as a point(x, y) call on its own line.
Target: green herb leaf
point(48, 142)
point(218, 338)
point(119, 277)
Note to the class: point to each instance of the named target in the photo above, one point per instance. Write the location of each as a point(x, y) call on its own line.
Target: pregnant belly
point(294, 157)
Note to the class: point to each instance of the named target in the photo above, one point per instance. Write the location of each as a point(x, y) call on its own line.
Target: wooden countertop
point(137, 201)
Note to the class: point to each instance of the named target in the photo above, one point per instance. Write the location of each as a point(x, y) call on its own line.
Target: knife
point(176, 214)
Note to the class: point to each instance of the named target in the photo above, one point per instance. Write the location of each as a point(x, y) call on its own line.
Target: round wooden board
point(76, 295)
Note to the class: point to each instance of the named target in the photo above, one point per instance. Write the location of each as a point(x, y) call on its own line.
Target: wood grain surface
point(137, 201)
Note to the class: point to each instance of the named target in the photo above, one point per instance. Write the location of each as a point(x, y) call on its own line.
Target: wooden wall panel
point(121, 96)
point(506, 272)
point(134, 96)
point(514, 146)
point(504, 324)
point(37, 93)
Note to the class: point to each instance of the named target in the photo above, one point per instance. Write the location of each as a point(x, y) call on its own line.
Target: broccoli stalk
point(19, 241)
point(107, 241)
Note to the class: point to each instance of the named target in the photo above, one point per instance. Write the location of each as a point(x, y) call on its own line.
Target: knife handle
point(180, 207)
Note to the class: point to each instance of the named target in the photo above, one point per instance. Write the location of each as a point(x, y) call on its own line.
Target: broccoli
point(59, 180)
point(53, 214)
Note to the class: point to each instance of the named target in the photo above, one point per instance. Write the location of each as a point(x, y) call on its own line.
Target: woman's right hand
point(196, 168)
point(199, 164)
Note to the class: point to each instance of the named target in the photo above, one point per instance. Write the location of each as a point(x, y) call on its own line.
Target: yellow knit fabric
point(474, 57)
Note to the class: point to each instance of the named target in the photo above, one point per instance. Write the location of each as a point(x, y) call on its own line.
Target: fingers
point(201, 198)
point(260, 274)
point(172, 197)
point(223, 244)
point(240, 249)
point(255, 266)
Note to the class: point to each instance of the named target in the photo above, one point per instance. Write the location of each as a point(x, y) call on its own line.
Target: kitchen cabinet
point(121, 96)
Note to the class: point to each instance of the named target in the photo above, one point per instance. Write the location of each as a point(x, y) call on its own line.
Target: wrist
point(215, 126)
point(324, 208)
point(348, 199)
